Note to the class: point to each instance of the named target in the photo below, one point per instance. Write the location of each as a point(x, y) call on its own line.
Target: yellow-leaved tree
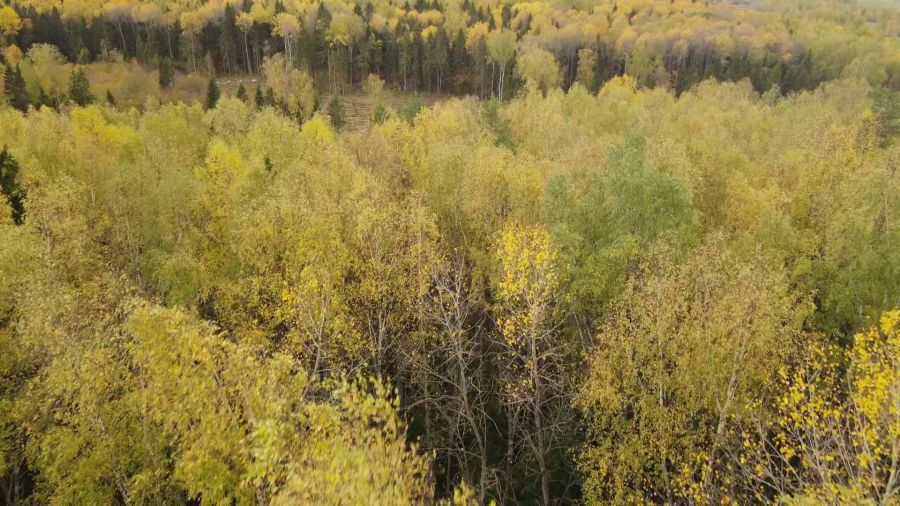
point(293, 87)
point(677, 363)
point(251, 427)
point(530, 298)
point(835, 436)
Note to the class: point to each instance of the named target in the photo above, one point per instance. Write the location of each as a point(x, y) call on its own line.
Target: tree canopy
point(644, 252)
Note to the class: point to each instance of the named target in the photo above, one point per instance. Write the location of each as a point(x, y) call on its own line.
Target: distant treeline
point(469, 48)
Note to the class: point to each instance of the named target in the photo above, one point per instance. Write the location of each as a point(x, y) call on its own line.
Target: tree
point(10, 22)
point(538, 68)
point(241, 93)
point(462, 414)
point(397, 255)
point(248, 426)
point(50, 71)
point(379, 114)
point(336, 112)
point(374, 87)
point(287, 26)
point(886, 106)
point(676, 365)
point(343, 31)
point(642, 204)
point(245, 24)
point(212, 93)
point(459, 61)
point(836, 428)
point(501, 48)
point(9, 185)
point(14, 88)
point(292, 87)
point(529, 291)
point(437, 58)
point(80, 88)
point(410, 109)
point(258, 99)
point(166, 73)
point(585, 73)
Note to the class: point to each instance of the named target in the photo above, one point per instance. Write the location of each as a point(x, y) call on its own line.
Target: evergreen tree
point(229, 39)
point(14, 88)
point(166, 73)
point(379, 115)
point(212, 93)
point(80, 88)
point(886, 107)
point(241, 93)
point(44, 100)
point(459, 60)
point(110, 99)
point(336, 112)
point(259, 101)
point(438, 59)
point(411, 109)
point(8, 77)
point(9, 185)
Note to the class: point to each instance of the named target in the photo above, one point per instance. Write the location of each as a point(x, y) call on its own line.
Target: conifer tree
point(258, 100)
point(14, 88)
point(9, 185)
point(212, 93)
point(166, 73)
point(336, 112)
point(80, 88)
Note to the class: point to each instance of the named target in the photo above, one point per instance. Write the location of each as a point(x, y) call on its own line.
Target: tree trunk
point(538, 421)
point(247, 62)
point(510, 446)
point(122, 36)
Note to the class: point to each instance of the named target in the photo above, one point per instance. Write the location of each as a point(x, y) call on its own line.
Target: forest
point(449, 252)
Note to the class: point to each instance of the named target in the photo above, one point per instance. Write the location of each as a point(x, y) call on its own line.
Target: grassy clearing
point(131, 84)
point(359, 107)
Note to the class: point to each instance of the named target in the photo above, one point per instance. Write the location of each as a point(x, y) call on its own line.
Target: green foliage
point(607, 221)
point(886, 105)
point(409, 110)
point(166, 69)
point(80, 88)
point(259, 100)
point(379, 114)
point(490, 113)
point(10, 186)
point(212, 93)
point(14, 88)
point(336, 112)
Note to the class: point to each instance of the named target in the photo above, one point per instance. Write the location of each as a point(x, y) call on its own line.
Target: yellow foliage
point(840, 446)
point(10, 23)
